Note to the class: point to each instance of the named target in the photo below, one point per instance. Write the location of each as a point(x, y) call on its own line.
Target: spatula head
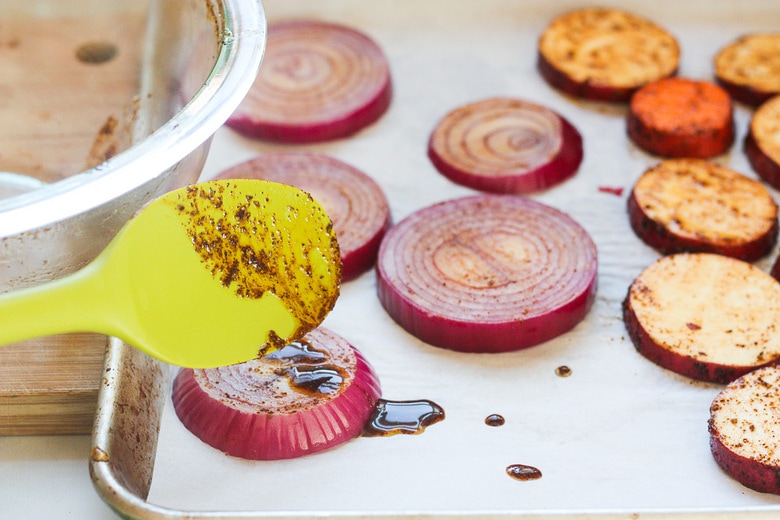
point(221, 272)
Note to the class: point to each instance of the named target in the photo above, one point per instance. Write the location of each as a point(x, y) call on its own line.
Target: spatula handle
point(68, 304)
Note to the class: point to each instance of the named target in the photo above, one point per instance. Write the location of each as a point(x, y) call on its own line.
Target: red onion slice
point(354, 201)
point(505, 145)
point(305, 398)
point(487, 273)
point(319, 81)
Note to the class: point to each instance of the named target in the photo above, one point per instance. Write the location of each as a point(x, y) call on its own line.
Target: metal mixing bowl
point(196, 59)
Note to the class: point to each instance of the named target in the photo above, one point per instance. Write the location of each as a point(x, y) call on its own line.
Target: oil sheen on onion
point(487, 273)
point(307, 397)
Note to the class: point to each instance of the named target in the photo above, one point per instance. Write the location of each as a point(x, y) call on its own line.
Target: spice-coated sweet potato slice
point(744, 428)
point(696, 205)
point(749, 68)
point(704, 316)
point(605, 54)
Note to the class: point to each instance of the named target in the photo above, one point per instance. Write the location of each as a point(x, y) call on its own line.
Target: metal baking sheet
point(619, 438)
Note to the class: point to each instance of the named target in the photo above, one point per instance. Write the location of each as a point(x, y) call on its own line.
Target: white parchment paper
point(619, 434)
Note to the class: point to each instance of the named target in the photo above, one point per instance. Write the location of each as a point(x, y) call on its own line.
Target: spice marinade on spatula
point(211, 274)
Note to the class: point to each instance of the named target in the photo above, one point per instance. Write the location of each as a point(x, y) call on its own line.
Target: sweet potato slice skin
point(749, 68)
point(705, 316)
point(605, 54)
point(762, 142)
point(681, 117)
point(744, 429)
point(693, 205)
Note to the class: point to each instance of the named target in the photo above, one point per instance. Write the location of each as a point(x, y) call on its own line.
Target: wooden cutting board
point(50, 385)
point(68, 85)
point(62, 109)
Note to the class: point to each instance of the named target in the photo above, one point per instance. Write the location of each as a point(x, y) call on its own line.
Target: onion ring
point(304, 398)
point(505, 145)
point(487, 273)
point(319, 81)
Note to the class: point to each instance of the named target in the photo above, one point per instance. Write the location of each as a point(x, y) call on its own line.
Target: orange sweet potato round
point(680, 117)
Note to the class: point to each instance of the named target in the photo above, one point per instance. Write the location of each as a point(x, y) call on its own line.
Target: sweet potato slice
point(774, 271)
point(695, 205)
point(762, 142)
point(749, 68)
point(605, 54)
point(680, 117)
point(704, 316)
point(744, 429)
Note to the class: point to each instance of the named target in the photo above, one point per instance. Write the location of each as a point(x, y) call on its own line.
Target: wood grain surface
point(49, 385)
point(60, 103)
point(68, 91)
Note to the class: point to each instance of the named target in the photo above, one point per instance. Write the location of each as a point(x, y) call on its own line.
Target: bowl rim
point(242, 27)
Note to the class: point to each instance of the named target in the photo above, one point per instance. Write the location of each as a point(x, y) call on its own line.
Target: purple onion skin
point(253, 126)
point(360, 260)
point(461, 336)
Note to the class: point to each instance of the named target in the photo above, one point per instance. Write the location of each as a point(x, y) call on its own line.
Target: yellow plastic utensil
point(212, 274)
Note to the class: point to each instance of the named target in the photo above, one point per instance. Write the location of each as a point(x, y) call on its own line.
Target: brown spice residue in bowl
point(96, 52)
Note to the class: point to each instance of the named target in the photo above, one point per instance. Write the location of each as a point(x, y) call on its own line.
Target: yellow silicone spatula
point(208, 275)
